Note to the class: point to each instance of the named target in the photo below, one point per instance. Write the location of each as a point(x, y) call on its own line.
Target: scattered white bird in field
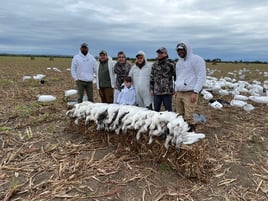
point(70, 92)
point(238, 103)
point(216, 105)
point(206, 94)
point(259, 99)
point(120, 118)
point(38, 76)
point(223, 92)
point(248, 107)
point(46, 98)
point(241, 97)
point(26, 77)
point(56, 69)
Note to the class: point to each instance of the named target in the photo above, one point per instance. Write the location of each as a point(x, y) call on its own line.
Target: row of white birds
point(40, 76)
point(257, 92)
point(121, 118)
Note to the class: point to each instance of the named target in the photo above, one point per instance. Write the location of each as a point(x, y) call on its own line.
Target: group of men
point(153, 84)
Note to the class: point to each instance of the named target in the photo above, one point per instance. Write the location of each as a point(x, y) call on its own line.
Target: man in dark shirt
point(161, 80)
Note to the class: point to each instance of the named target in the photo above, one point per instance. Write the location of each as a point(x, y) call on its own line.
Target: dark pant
point(84, 86)
point(107, 95)
point(167, 101)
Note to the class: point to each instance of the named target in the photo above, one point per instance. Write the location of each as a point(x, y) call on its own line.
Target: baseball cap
point(181, 46)
point(162, 49)
point(84, 45)
point(103, 52)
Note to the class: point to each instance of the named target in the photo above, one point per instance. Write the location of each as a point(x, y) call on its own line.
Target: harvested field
point(42, 158)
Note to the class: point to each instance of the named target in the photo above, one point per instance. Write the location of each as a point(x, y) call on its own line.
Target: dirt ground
point(41, 159)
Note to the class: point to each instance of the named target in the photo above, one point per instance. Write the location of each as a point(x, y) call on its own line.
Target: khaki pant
point(107, 95)
point(185, 107)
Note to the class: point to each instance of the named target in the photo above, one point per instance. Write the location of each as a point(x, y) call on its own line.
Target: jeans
point(167, 102)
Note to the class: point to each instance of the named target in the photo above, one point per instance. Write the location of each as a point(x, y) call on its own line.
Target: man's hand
point(152, 92)
point(194, 97)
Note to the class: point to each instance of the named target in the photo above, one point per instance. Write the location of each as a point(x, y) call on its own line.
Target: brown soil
point(40, 159)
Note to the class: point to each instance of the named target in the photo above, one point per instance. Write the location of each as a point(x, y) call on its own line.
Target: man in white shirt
point(190, 77)
point(82, 69)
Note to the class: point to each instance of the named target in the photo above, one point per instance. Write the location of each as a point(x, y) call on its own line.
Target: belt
point(190, 91)
point(84, 81)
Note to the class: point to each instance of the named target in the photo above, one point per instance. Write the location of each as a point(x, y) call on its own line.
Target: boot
point(191, 128)
point(150, 107)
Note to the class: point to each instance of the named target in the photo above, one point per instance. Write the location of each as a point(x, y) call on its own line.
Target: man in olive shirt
point(105, 77)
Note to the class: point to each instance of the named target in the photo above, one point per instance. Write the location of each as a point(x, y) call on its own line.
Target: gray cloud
point(230, 30)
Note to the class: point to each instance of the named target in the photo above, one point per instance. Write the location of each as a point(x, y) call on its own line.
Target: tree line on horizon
point(216, 60)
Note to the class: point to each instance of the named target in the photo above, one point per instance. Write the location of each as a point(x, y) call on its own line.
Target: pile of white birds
point(120, 118)
point(242, 91)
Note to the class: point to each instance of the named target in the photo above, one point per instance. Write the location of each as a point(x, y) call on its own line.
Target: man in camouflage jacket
point(161, 80)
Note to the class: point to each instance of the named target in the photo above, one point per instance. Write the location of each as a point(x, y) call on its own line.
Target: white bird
point(26, 77)
point(46, 98)
point(216, 105)
point(241, 97)
point(70, 92)
point(192, 137)
point(238, 103)
point(259, 99)
point(223, 92)
point(248, 107)
point(38, 76)
point(56, 69)
point(206, 94)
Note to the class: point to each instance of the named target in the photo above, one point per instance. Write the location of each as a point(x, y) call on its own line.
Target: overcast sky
point(227, 29)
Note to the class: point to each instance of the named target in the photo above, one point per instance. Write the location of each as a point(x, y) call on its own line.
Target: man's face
point(161, 55)
point(181, 50)
point(140, 59)
point(103, 57)
point(182, 53)
point(84, 50)
point(121, 58)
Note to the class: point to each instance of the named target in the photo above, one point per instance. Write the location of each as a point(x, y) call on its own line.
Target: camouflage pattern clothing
point(121, 70)
point(162, 75)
